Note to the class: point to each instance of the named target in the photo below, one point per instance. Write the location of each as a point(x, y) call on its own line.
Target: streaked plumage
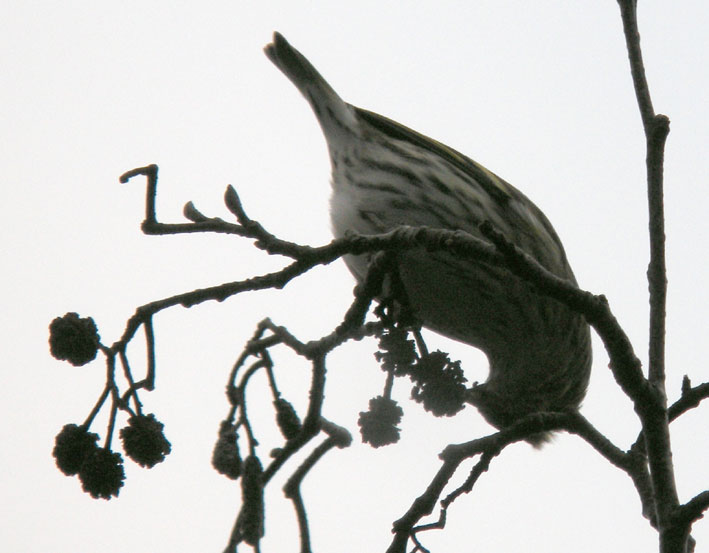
point(385, 175)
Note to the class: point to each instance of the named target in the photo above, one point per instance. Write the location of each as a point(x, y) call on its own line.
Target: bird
point(386, 175)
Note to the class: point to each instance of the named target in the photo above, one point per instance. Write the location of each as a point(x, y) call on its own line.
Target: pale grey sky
point(538, 92)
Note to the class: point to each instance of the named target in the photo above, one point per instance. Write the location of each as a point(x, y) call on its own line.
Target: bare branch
point(625, 364)
point(694, 509)
point(292, 488)
point(655, 421)
point(489, 447)
point(628, 12)
point(656, 130)
point(656, 272)
point(691, 398)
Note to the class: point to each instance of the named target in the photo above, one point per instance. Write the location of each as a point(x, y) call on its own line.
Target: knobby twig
point(673, 536)
point(626, 366)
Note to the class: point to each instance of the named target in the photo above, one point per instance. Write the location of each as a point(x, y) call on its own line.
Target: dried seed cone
point(385, 175)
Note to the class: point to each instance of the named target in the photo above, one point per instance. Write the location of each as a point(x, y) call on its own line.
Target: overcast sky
point(539, 92)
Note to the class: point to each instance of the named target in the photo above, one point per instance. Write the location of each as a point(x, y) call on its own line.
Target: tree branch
point(489, 447)
point(694, 509)
point(628, 13)
point(655, 420)
point(339, 437)
point(691, 398)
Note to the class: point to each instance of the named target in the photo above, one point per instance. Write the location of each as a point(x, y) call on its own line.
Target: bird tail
point(335, 116)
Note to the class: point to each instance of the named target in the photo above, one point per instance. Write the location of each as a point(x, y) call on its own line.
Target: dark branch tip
point(233, 204)
point(149, 171)
point(192, 213)
point(686, 385)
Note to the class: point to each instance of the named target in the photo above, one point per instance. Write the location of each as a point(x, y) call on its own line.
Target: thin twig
point(657, 272)
point(655, 420)
point(691, 398)
point(489, 447)
point(292, 488)
point(628, 12)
